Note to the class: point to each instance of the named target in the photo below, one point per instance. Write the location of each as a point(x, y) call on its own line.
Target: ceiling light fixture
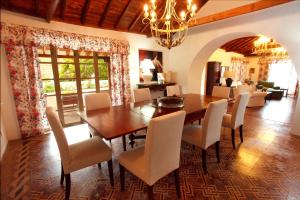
point(169, 30)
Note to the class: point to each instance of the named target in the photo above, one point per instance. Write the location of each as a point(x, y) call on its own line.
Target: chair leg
point(150, 192)
point(177, 182)
point(232, 138)
point(131, 140)
point(62, 176)
point(91, 135)
point(204, 161)
point(218, 151)
point(111, 173)
point(99, 165)
point(124, 142)
point(122, 177)
point(68, 186)
point(241, 133)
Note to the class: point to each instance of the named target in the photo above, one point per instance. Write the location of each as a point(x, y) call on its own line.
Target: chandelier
point(269, 50)
point(169, 30)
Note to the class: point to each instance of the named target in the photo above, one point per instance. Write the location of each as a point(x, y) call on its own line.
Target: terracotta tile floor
point(265, 166)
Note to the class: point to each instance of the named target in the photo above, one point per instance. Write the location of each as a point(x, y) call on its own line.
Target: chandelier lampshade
point(169, 29)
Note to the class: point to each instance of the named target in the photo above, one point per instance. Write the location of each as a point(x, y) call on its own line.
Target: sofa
point(265, 85)
point(257, 98)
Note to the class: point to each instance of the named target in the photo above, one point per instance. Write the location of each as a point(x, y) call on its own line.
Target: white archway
point(198, 65)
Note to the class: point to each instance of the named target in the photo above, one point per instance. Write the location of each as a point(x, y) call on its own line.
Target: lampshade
point(229, 74)
point(147, 64)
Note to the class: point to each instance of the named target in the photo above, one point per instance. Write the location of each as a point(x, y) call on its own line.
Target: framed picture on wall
point(150, 62)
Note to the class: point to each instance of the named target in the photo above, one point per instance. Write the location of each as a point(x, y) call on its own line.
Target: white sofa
point(257, 98)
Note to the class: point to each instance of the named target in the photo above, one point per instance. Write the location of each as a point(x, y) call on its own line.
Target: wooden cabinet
point(213, 76)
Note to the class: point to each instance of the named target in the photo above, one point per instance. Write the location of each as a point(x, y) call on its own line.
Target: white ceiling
point(216, 6)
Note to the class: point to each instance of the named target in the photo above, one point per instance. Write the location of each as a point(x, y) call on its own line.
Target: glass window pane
point(88, 85)
point(51, 101)
point(65, 52)
point(48, 87)
point(65, 60)
point(45, 59)
point(68, 86)
point(103, 69)
point(87, 70)
point(46, 71)
point(104, 85)
point(66, 71)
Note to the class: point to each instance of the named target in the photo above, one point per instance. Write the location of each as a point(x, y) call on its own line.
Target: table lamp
point(146, 66)
point(229, 75)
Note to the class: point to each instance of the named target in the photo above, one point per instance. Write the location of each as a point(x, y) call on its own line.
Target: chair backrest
point(212, 122)
point(97, 101)
point(162, 146)
point(142, 94)
point(239, 109)
point(219, 91)
point(173, 90)
point(59, 135)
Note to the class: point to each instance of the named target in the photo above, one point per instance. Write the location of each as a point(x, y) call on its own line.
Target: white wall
point(296, 119)
point(136, 42)
point(280, 22)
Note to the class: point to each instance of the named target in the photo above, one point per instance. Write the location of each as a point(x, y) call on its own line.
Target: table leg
point(124, 142)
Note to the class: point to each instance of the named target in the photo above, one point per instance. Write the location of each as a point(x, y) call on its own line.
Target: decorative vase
point(229, 82)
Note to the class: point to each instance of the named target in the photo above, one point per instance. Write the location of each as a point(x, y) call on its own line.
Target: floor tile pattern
point(265, 166)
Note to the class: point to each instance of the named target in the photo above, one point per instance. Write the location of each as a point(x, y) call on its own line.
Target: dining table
point(119, 121)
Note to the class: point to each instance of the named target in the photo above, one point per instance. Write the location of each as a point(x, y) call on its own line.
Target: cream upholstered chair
point(139, 95)
point(142, 94)
point(209, 132)
point(256, 98)
point(96, 101)
point(79, 155)
point(236, 119)
point(156, 159)
point(173, 90)
point(221, 91)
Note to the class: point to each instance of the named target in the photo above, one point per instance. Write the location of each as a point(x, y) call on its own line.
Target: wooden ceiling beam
point(137, 18)
point(85, 11)
point(51, 10)
point(103, 16)
point(36, 6)
point(125, 10)
point(63, 7)
point(249, 8)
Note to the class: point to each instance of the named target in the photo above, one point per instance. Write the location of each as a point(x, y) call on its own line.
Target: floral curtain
point(240, 65)
point(21, 44)
point(263, 70)
point(27, 88)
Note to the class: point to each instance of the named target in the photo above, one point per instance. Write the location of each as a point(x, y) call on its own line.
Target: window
point(68, 74)
point(284, 75)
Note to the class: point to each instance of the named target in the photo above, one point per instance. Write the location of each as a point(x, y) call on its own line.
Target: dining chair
point(79, 155)
point(139, 95)
point(173, 90)
point(236, 119)
point(221, 91)
point(156, 159)
point(209, 132)
point(96, 101)
point(142, 94)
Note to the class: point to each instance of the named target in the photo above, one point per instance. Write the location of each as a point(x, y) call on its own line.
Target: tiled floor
point(265, 166)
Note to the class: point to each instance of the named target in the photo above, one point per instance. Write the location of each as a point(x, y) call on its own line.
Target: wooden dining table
point(119, 121)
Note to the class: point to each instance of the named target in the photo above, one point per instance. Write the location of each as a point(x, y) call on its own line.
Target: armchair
point(257, 98)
